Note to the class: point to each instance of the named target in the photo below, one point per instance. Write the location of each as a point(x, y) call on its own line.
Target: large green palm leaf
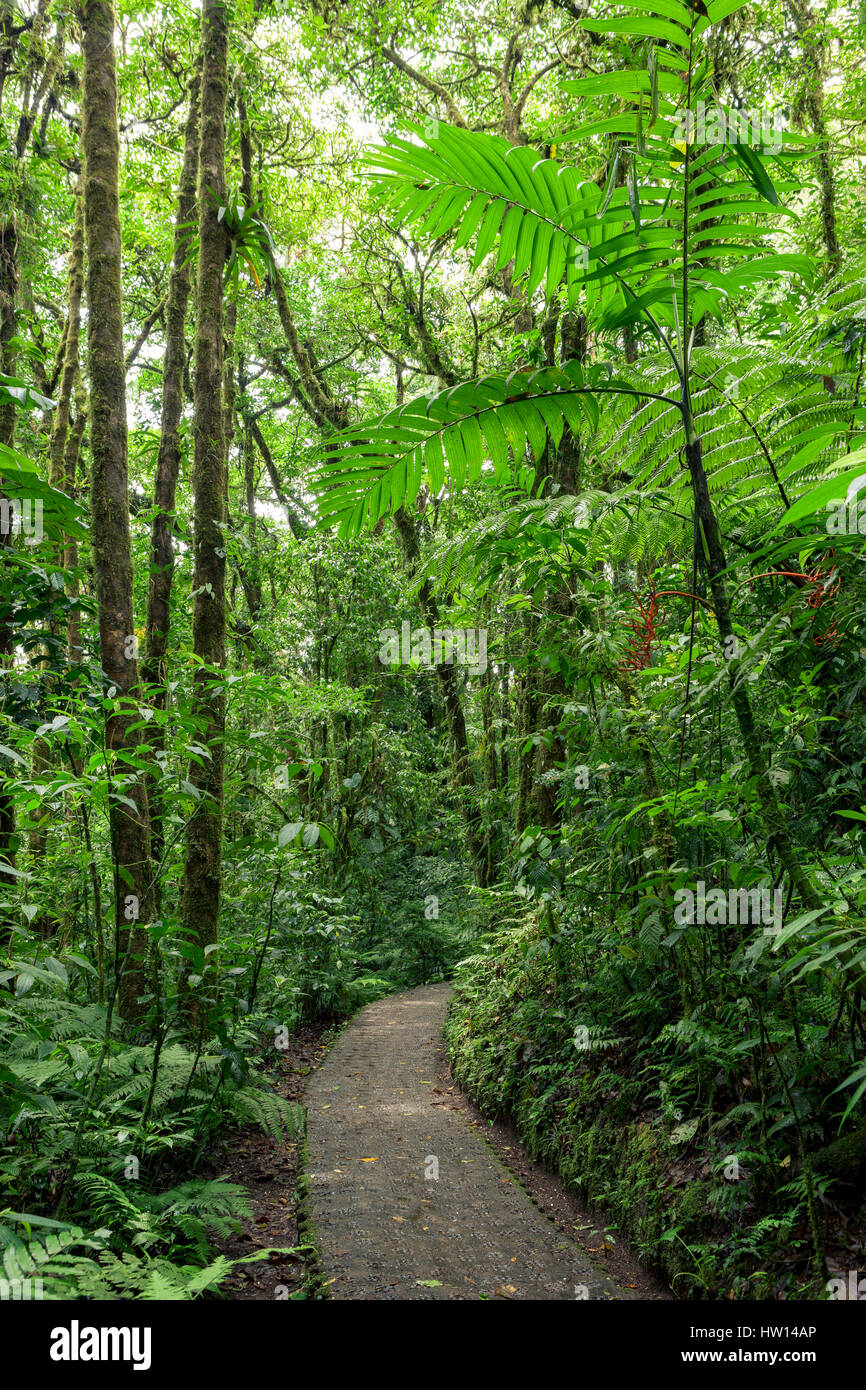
point(680, 239)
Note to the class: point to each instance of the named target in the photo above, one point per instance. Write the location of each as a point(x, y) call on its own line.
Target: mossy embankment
point(627, 1116)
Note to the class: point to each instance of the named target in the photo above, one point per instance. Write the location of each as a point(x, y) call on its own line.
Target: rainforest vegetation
point(432, 438)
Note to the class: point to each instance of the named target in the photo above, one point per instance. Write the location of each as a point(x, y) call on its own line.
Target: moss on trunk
point(168, 457)
point(202, 877)
point(110, 494)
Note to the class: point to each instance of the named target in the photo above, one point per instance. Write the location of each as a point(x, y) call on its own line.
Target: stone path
point(380, 1130)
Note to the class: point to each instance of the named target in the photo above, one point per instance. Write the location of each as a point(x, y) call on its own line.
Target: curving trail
point(387, 1228)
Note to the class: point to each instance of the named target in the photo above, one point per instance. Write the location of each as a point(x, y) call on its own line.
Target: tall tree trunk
point(153, 669)
point(251, 573)
point(36, 74)
point(8, 325)
point(71, 351)
point(74, 649)
point(110, 493)
point(57, 446)
point(202, 878)
point(806, 24)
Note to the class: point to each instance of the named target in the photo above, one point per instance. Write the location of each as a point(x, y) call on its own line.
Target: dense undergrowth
point(101, 1130)
point(677, 1126)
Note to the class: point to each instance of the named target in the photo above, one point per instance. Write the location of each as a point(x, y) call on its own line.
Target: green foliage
point(570, 1039)
point(567, 257)
point(68, 1262)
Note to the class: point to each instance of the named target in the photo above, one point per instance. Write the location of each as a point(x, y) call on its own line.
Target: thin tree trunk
point(110, 493)
point(298, 529)
point(709, 536)
point(8, 326)
point(57, 446)
point(251, 578)
point(202, 877)
point(153, 669)
point(527, 718)
point(35, 76)
point(71, 351)
point(74, 650)
point(806, 21)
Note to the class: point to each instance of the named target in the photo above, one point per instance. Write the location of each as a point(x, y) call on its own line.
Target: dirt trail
point(380, 1129)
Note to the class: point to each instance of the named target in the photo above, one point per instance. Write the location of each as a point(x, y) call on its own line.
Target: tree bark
point(805, 22)
point(110, 494)
point(71, 351)
point(202, 877)
point(153, 668)
point(57, 446)
point(8, 325)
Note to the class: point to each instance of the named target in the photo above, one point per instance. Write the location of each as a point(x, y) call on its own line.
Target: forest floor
point(382, 1103)
point(268, 1169)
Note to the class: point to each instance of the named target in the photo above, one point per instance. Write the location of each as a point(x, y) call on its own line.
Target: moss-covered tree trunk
point(74, 439)
point(8, 325)
point(109, 496)
point(153, 668)
point(61, 424)
point(202, 878)
point(58, 444)
point(812, 71)
point(36, 74)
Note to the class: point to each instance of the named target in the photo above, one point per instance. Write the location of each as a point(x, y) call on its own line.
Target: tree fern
point(261, 1106)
